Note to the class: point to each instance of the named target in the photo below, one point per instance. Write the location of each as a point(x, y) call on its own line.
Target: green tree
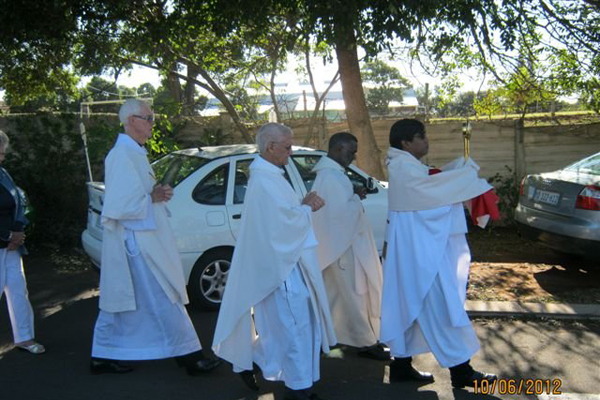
point(245, 103)
point(445, 96)
point(202, 42)
point(65, 97)
point(36, 47)
point(389, 85)
point(438, 29)
point(489, 104)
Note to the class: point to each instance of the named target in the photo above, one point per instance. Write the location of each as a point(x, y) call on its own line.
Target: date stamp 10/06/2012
point(519, 386)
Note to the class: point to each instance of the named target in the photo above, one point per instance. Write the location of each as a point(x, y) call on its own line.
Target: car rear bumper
point(92, 247)
point(582, 224)
point(566, 244)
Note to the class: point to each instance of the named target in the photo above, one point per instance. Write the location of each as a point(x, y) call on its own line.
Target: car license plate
point(544, 196)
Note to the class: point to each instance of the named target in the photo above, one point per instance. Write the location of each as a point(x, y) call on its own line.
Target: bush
point(45, 159)
point(507, 189)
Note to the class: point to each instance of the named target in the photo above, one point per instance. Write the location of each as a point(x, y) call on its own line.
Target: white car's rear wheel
point(207, 280)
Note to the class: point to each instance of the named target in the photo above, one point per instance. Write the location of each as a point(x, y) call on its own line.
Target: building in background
point(296, 100)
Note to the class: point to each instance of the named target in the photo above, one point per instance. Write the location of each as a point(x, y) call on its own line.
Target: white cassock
point(427, 262)
point(348, 257)
point(142, 287)
point(274, 271)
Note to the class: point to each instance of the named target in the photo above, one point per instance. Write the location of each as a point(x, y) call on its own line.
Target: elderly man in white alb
point(347, 252)
point(276, 273)
point(142, 288)
point(427, 261)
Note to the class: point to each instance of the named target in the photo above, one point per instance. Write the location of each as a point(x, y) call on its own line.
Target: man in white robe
point(275, 272)
point(347, 252)
point(427, 260)
point(142, 287)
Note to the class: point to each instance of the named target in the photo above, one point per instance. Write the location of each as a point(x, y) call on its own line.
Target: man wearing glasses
point(142, 287)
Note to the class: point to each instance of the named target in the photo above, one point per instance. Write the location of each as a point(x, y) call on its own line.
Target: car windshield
point(590, 165)
point(174, 168)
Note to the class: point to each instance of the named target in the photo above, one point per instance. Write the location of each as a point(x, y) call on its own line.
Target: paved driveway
point(568, 352)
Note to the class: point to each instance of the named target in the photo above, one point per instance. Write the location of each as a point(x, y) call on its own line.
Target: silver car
point(561, 209)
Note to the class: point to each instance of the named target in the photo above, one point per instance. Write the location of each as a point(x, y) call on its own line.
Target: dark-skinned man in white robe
point(347, 252)
point(427, 261)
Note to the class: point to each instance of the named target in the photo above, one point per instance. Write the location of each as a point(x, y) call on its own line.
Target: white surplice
point(142, 288)
point(275, 271)
point(348, 257)
point(427, 261)
point(129, 180)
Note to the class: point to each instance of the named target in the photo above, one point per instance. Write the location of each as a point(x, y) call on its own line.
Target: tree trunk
point(272, 93)
point(368, 156)
point(174, 86)
point(189, 91)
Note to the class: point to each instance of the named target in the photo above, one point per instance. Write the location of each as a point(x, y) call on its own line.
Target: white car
point(206, 208)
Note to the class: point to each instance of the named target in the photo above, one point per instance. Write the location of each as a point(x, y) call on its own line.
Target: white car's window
point(305, 164)
point(356, 178)
point(213, 188)
point(174, 168)
point(590, 165)
point(242, 173)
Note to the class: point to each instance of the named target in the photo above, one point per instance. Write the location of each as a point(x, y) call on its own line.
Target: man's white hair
point(129, 108)
point(271, 132)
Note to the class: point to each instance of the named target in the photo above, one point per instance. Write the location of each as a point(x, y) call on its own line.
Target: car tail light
point(522, 186)
point(589, 198)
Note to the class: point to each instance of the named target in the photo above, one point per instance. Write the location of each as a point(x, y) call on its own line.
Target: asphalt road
point(566, 353)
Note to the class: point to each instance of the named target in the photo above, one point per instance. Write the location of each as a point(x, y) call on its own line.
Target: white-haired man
point(142, 288)
point(275, 271)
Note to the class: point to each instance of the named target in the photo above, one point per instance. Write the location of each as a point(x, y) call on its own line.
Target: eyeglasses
point(148, 118)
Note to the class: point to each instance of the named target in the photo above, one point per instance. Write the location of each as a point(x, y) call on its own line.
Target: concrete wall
point(493, 144)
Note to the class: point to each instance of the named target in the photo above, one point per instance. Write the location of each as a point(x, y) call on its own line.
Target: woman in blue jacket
point(12, 276)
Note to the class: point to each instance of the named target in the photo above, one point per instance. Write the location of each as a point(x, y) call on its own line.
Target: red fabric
point(485, 204)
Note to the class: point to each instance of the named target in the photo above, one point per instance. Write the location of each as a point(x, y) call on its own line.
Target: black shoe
point(249, 379)
point(102, 366)
point(375, 352)
point(410, 374)
point(202, 366)
point(303, 394)
point(476, 377)
point(401, 370)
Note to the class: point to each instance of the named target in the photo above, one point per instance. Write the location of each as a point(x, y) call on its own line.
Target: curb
point(513, 308)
